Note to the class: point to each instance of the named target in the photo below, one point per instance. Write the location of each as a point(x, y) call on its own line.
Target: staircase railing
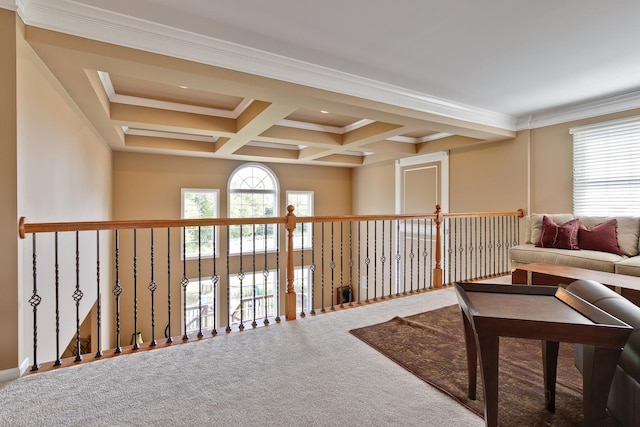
point(120, 279)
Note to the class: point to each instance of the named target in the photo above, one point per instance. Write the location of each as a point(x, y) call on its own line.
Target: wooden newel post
point(290, 296)
point(437, 271)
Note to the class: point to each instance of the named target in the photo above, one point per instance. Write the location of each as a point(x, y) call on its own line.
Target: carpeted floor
point(431, 346)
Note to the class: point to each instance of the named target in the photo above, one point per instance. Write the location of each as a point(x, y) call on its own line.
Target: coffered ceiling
point(332, 83)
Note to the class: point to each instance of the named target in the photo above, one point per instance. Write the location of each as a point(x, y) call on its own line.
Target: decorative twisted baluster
point(58, 362)
point(200, 334)
point(322, 309)
point(265, 275)
point(215, 279)
point(184, 282)
point(99, 299)
point(117, 290)
point(168, 330)
point(383, 260)
point(312, 267)
point(77, 296)
point(152, 286)
point(367, 261)
point(136, 346)
point(350, 264)
point(34, 301)
point(254, 324)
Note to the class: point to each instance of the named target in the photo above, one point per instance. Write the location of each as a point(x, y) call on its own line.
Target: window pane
point(199, 204)
point(206, 306)
point(302, 201)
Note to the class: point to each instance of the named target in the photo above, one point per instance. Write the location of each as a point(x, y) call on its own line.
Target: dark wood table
point(546, 313)
point(539, 273)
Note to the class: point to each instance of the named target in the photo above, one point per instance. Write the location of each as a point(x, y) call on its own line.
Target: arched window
point(253, 193)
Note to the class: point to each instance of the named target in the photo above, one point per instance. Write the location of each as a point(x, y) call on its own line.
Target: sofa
point(608, 244)
point(624, 394)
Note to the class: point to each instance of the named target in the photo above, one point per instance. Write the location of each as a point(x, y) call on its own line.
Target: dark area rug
point(431, 346)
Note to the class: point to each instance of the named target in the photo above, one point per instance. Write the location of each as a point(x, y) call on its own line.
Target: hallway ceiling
point(333, 83)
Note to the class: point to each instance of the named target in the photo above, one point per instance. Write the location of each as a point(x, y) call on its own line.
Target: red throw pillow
point(602, 237)
point(563, 236)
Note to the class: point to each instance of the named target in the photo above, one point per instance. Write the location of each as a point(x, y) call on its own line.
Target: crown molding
point(76, 18)
point(600, 107)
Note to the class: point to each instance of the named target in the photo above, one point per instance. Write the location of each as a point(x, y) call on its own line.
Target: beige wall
point(374, 189)
point(489, 177)
point(63, 174)
point(11, 301)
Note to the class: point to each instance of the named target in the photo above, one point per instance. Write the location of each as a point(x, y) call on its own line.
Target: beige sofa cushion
point(592, 260)
point(628, 231)
point(629, 266)
point(536, 224)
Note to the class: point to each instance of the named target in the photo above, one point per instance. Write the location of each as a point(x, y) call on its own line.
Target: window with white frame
point(606, 176)
point(199, 203)
point(302, 201)
point(253, 193)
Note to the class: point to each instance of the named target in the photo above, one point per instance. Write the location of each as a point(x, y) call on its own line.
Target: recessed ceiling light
point(183, 87)
point(324, 111)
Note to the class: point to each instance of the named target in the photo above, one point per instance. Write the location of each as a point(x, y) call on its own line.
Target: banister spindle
point(136, 346)
point(58, 362)
point(99, 299)
point(152, 289)
point(34, 301)
point(77, 296)
point(117, 290)
point(168, 330)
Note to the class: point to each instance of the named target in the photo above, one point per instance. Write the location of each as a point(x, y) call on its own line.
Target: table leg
point(472, 356)
point(488, 346)
point(596, 381)
point(550, 369)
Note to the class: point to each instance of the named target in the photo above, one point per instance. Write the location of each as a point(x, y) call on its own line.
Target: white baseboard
point(13, 373)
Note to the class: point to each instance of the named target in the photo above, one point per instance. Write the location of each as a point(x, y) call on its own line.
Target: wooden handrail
point(290, 221)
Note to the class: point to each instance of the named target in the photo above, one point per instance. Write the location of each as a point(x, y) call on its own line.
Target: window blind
point(606, 168)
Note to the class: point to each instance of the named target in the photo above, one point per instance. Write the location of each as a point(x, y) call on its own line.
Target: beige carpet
point(306, 372)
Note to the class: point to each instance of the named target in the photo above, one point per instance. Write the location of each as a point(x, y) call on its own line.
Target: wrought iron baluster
point(200, 334)
point(241, 279)
point(99, 298)
point(35, 301)
point(253, 274)
point(277, 273)
point(77, 296)
point(332, 266)
point(375, 260)
point(168, 333)
point(184, 282)
point(399, 257)
point(135, 291)
point(359, 269)
point(383, 260)
point(322, 308)
point(265, 274)
point(341, 266)
point(58, 362)
point(367, 261)
point(117, 290)
point(215, 280)
point(313, 268)
point(411, 255)
point(228, 328)
point(350, 265)
point(302, 272)
point(152, 286)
